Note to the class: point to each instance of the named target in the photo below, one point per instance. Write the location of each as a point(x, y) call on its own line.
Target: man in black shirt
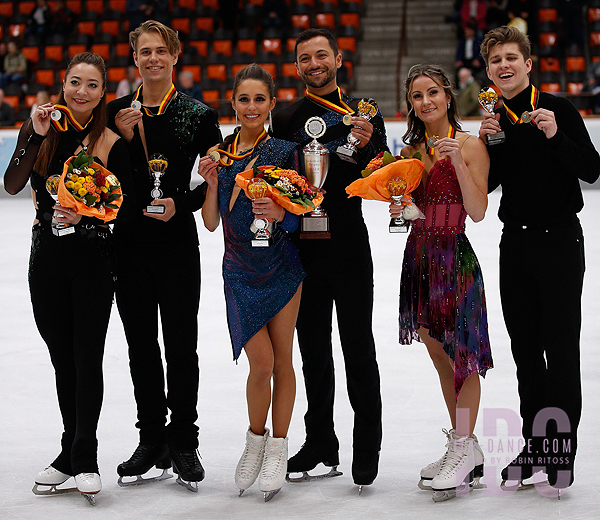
point(340, 270)
point(546, 152)
point(158, 261)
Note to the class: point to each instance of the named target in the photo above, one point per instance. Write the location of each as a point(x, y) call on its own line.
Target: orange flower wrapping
point(374, 187)
point(68, 201)
point(243, 180)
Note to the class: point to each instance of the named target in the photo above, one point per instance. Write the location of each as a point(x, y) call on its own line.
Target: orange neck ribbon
point(519, 120)
point(62, 124)
point(163, 104)
point(430, 150)
point(343, 108)
point(233, 156)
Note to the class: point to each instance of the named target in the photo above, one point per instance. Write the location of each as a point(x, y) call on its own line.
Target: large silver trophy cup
point(157, 164)
point(58, 228)
point(316, 164)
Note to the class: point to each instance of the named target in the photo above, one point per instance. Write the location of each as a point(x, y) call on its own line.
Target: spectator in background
point(468, 94)
point(517, 22)
point(136, 12)
point(572, 23)
point(41, 98)
point(130, 83)
point(15, 65)
point(467, 51)
point(228, 12)
point(3, 53)
point(63, 21)
point(274, 14)
point(474, 11)
point(187, 85)
point(40, 20)
point(7, 114)
point(496, 14)
point(524, 9)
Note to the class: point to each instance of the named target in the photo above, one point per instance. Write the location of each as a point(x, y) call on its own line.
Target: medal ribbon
point(163, 104)
point(64, 126)
point(430, 150)
point(343, 109)
point(234, 147)
point(518, 120)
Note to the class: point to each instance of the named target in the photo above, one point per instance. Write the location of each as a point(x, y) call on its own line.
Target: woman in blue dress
point(262, 284)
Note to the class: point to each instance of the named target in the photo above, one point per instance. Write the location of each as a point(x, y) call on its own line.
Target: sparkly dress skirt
point(441, 286)
point(258, 281)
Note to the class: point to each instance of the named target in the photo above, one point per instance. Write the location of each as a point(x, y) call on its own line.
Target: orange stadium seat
point(212, 97)
point(30, 100)
point(223, 47)
point(112, 27)
point(31, 54)
point(236, 67)
point(271, 45)
point(347, 43)
point(116, 73)
point(95, 6)
point(593, 14)
point(553, 88)
point(547, 15)
point(325, 20)
point(549, 64)
point(25, 7)
point(117, 5)
point(246, 46)
point(351, 19)
point(286, 94)
point(205, 23)
point(75, 48)
point(75, 6)
point(7, 9)
point(271, 68)
point(16, 29)
point(211, 3)
point(575, 63)
point(290, 44)
point(182, 25)
point(123, 49)
point(188, 4)
point(110, 96)
point(289, 70)
point(201, 46)
point(195, 70)
point(86, 27)
point(102, 49)
point(54, 52)
point(547, 39)
point(13, 101)
point(300, 20)
point(574, 87)
point(594, 39)
point(45, 77)
point(217, 71)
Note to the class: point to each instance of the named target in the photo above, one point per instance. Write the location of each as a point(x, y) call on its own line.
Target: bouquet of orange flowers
point(287, 188)
point(387, 177)
point(89, 188)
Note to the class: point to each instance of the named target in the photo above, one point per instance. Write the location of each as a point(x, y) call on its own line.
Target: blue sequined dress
point(259, 281)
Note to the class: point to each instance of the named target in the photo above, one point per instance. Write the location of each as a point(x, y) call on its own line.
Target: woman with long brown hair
point(70, 274)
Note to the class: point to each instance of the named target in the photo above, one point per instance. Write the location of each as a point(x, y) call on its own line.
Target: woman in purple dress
point(442, 300)
point(262, 284)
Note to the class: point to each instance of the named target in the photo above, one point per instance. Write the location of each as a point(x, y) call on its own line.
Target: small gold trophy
point(367, 109)
point(315, 224)
point(58, 228)
point(157, 164)
point(257, 188)
point(488, 98)
point(397, 188)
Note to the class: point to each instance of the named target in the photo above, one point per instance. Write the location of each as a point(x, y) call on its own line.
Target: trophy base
point(261, 242)
point(346, 154)
point(497, 138)
point(62, 231)
point(314, 226)
point(401, 227)
point(159, 210)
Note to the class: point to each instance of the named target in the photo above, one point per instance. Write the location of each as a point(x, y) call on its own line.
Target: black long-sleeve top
point(539, 175)
point(185, 130)
point(20, 170)
point(289, 123)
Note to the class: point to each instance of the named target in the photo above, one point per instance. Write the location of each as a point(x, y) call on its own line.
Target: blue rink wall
point(395, 131)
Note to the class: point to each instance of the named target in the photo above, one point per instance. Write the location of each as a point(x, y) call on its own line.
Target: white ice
point(412, 403)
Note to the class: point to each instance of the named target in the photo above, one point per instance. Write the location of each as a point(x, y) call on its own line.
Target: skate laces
point(458, 450)
point(273, 459)
point(249, 462)
point(190, 459)
point(440, 461)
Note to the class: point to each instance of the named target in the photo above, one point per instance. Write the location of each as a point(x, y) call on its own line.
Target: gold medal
point(526, 117)
point(215, 155)
point(347, 119)
point(432, 140)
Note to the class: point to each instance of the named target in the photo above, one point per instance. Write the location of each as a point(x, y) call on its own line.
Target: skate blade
point(268, 495)
point(191, 485)
point(53, 490)
point(422, 485)
point(521, 486)
point(90, 497)
point(470, 482)
point(141, 480)
point(333, 472)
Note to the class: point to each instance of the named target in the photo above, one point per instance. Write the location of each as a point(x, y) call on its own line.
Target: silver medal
point(55, 115)
point(136, 105)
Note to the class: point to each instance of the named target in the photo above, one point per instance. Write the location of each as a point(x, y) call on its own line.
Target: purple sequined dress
point(259, 281)
point(441, 286)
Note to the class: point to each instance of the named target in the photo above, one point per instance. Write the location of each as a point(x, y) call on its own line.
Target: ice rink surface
point(412, 403)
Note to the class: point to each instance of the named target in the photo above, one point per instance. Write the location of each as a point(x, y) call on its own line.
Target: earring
point(237, 121)
point(270, 122)
point(448, 105)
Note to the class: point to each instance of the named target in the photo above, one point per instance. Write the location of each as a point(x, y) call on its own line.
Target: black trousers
point(71, 286)
point(541, 280)
point(162, 279)
point(339, 271)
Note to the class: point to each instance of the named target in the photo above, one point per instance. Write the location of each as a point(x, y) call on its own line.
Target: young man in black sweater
point(340, 269)
point(546, 152)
